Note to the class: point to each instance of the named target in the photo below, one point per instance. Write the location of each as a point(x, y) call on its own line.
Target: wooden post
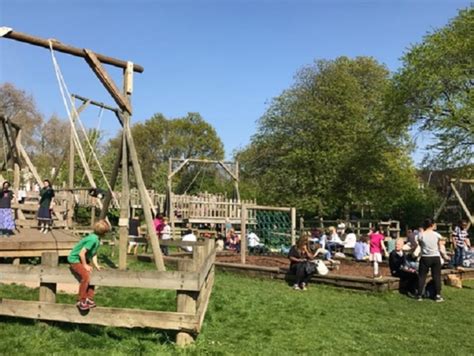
point(243, 234)
point(124, 203)
point(293, 226)
point(92, 215)
point(186, 300)
point(144, 197)
point(47, 292)
point(301, 226)
point(170, 192)
point(463, 205)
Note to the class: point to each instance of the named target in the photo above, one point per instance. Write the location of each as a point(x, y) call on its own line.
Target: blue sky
point(223, 59)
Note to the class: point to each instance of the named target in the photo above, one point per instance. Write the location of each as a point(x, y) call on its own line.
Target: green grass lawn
point(251, 316)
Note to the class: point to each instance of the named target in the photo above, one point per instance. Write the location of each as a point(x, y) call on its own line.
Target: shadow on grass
point(119, 334)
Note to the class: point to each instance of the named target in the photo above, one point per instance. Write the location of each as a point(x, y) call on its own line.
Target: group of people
point(44, 216)
point(411, 261)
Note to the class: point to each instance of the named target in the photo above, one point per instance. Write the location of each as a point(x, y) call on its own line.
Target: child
point(460, 240)
point(376, 247)
point(80, 259)
point(165, 234)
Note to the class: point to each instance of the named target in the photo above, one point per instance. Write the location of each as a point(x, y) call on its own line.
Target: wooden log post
point(124, 203)
point(187, 300)
point(47, 291)
point(243, 234)
point(293, 226)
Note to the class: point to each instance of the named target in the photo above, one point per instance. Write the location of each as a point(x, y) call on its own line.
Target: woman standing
point(44, 212)
point(7, 223)
point(299, 254)
point(430, 259)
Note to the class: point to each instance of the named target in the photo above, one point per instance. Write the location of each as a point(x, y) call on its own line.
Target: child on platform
point(80, 259)
point(376, 248)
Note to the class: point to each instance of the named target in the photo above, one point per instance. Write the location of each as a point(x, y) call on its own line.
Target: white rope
point(65, 94)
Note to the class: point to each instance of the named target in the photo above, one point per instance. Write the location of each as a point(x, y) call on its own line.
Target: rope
point(66, 94)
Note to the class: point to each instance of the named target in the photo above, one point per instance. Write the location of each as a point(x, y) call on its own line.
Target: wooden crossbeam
point(6, 32)
point(463, 204)
point(117, 317)
point(172, 280)
point(107, 81)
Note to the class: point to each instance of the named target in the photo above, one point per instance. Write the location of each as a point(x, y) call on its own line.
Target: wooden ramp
point(32, 243)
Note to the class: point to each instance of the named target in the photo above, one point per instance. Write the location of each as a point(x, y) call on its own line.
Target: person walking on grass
point(81, 259)
point(430, 243)
point(44, 212)
point(376, 248)
point(7, 222)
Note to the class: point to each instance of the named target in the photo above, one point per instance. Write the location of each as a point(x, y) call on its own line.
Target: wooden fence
point(200, 208)
point(192, 282)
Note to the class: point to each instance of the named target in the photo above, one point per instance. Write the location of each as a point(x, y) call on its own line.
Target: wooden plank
point(36, 245)
point(207, 266)
point(117, 317)
point(64, 48)
point(173, 280)
point(30, 165)
point(272, 208)
point(47, 291)
point(32, 253)
point(107, 81)
point(204, 297)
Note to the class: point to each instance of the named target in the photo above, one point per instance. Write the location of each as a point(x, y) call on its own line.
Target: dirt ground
point(346, 267)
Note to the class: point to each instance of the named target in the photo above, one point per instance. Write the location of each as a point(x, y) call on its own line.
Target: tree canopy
point(326, 144)
point(433, 91)
point(158, 139)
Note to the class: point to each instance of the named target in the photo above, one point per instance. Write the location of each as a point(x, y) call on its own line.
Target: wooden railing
point(192, 282)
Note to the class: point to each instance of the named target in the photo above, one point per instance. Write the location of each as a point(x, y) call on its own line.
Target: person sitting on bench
point(255, 246)
point(189, 236)
point(400, 268)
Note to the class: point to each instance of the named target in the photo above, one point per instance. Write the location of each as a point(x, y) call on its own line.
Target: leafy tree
point(159, 139)
point(20, 107)
point(325, 144)
point(433, 90)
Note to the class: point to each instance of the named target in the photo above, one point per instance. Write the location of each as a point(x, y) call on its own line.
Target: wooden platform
point(32, 243)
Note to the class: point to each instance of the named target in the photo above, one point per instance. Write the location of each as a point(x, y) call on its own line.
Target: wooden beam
point(293, 226)
point(233, 176)
point(60, 47)
point(95, 103)
point(124, 201)
point(30, 165)
point(272, 208)
point(186, 303)
point(243, 234)
point(172, 280)
point(145, 199)
point(180, 167)
point(107, 81)
point(463, 204)
point(117, 317)
point(461, 180)
point(47, 291)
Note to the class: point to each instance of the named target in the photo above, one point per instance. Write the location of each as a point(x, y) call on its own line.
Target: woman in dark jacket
point(299, 255)
point(44, 212)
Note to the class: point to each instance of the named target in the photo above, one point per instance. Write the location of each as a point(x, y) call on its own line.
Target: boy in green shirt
point(81, 257)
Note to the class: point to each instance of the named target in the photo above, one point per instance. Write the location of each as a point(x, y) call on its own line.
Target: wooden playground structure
point(194, 279)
